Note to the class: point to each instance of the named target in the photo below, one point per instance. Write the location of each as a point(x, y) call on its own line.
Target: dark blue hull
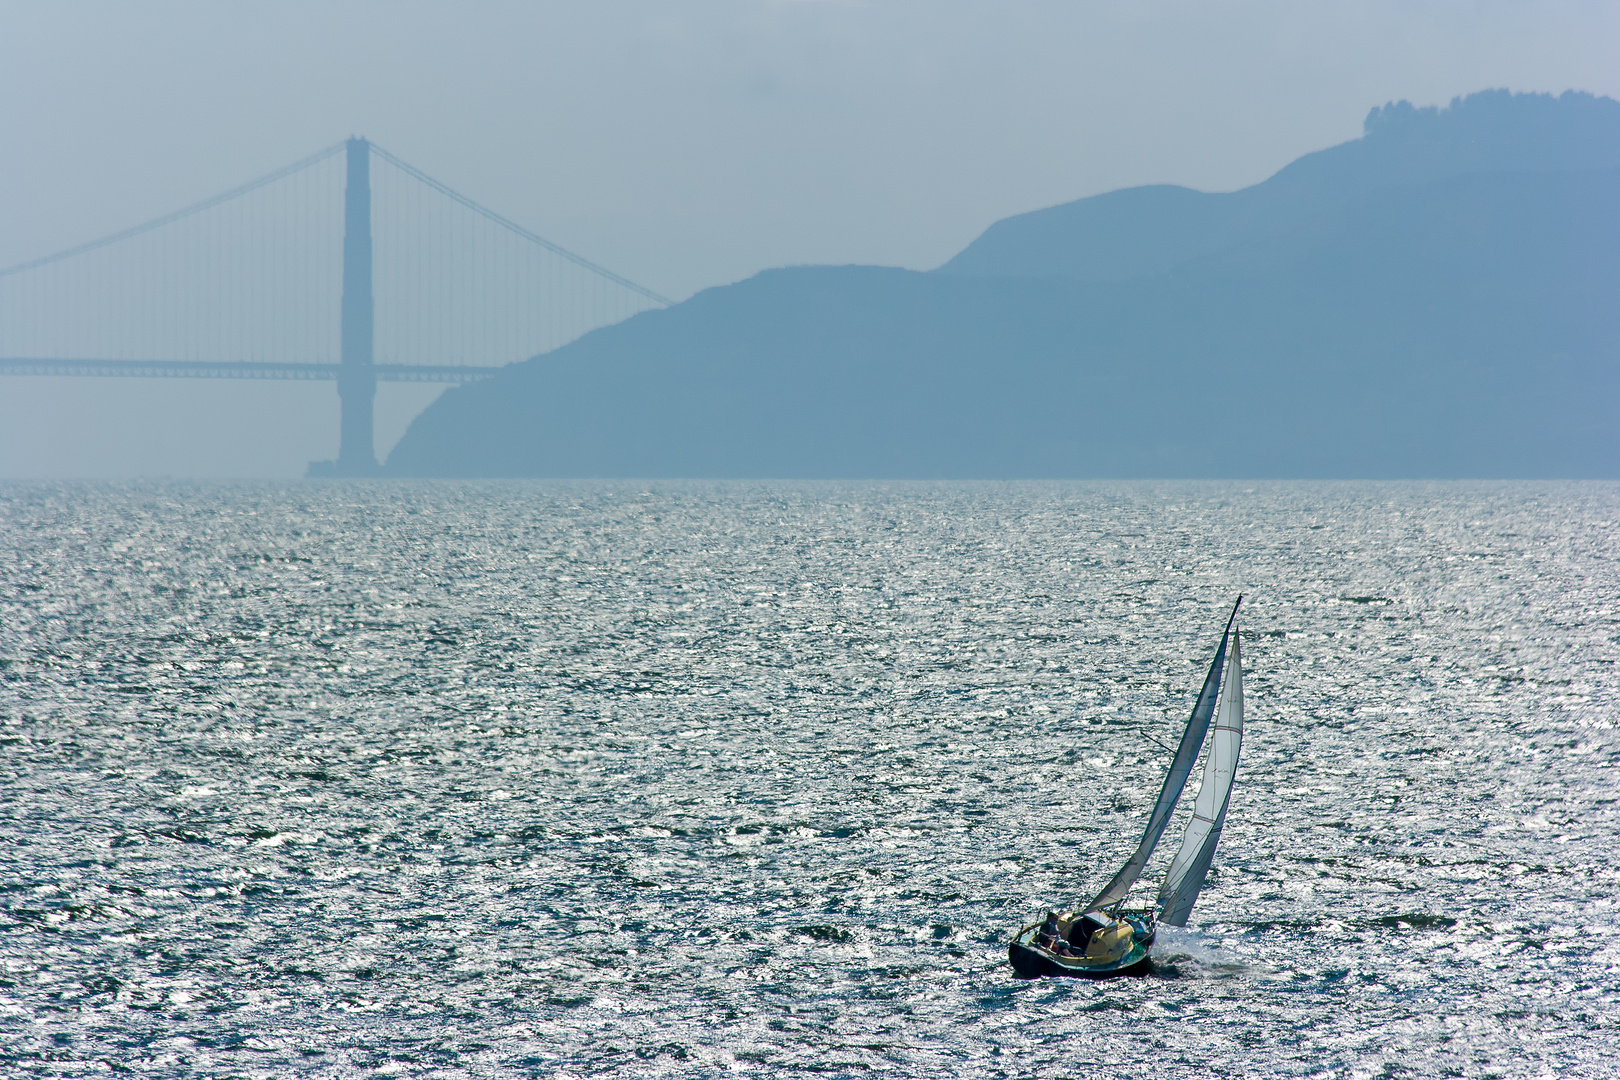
point(1030, 963)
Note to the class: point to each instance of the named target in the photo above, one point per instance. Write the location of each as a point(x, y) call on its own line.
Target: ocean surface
point(750, 779)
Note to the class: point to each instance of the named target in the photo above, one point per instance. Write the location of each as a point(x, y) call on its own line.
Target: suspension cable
point(195, 208)
point(555, 249)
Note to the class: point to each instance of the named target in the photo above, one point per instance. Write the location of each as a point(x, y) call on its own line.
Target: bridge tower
point(357, 375)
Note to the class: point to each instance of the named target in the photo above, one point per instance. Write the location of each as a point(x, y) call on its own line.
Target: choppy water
point(551, 779)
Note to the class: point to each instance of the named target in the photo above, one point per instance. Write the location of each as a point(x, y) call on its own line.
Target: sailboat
point(1103, 939)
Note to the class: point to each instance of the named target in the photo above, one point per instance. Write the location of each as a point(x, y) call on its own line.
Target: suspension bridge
point(349, 265)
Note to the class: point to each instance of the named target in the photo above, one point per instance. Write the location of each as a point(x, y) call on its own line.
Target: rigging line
point(1156, 742)
point(194, 208)
point(555, 249)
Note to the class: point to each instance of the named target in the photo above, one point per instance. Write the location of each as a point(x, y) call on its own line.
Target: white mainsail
point(1187, 870)
point(1180, 769)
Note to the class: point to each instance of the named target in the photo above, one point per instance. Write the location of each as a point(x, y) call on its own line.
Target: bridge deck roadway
point(210, 369)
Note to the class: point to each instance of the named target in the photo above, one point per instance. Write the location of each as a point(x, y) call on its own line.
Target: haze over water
point(758, 779)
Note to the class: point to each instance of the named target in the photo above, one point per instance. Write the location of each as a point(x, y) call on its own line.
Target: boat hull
point(1030, 961)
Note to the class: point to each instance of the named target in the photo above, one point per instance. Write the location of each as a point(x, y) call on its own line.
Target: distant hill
point(1147, 230)
point(1440, 298)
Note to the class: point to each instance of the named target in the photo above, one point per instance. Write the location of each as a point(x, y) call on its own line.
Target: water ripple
point(675, 779)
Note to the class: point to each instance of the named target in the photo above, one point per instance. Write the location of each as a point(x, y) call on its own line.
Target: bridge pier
point(357, 394)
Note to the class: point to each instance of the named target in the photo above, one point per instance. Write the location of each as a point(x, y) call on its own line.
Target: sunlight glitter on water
point(523, 779)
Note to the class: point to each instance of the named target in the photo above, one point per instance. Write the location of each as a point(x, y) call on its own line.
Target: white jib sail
point(1187, 870)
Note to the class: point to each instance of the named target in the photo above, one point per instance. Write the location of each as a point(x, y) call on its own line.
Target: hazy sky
point(682, 144)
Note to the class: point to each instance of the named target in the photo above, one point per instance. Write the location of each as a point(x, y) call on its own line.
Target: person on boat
point(1050, 935)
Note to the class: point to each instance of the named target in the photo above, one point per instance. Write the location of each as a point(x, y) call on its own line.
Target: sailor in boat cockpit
point(1050, 937)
